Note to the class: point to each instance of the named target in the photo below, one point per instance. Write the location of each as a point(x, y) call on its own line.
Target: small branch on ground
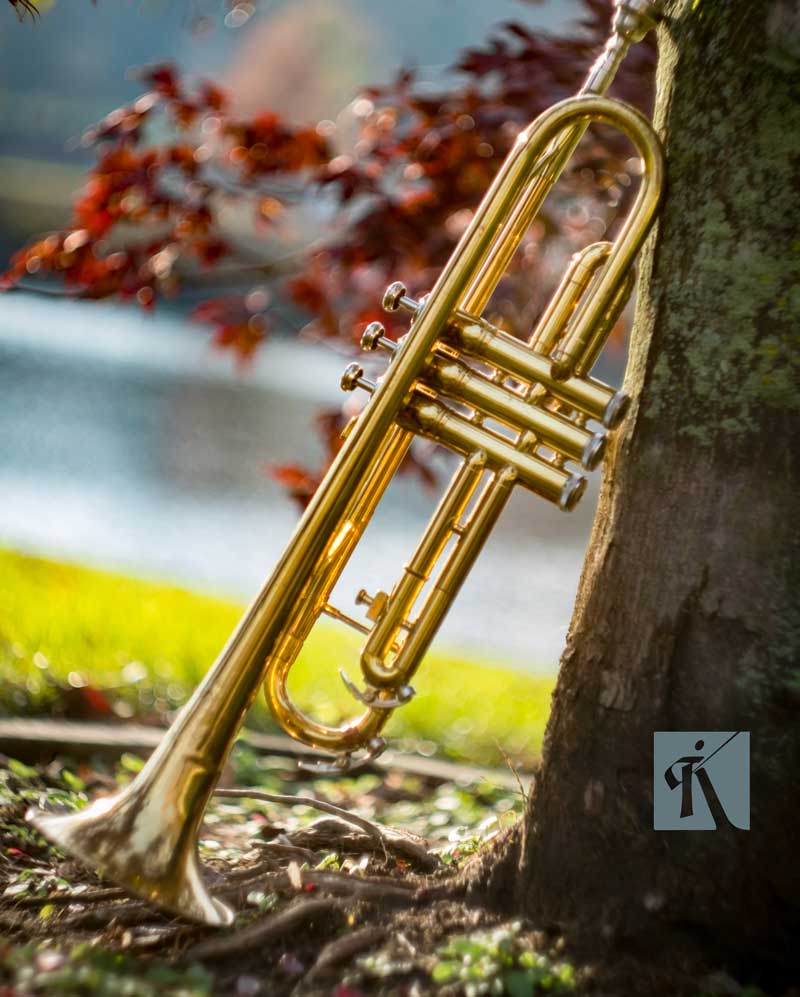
point(267, 930)
point(389, 892)
point(132, 914)
point(343, 949)
point(331, 834)
point(84, 897)
point(388, 839)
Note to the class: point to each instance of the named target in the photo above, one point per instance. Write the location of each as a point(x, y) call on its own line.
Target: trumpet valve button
point(374, 338)
point(396, 299)
point(353, 377)
point(393, 295)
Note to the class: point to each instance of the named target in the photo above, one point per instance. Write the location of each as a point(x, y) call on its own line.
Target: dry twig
point(389, 892)
point(341, 949)
point(130, 914)
point(76, 897)
point(373, 830)
point(386, 838)
point(263, 931)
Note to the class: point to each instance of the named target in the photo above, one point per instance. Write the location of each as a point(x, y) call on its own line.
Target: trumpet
point(518, 413)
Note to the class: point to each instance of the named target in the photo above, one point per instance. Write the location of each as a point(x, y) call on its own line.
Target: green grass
point(62, 626)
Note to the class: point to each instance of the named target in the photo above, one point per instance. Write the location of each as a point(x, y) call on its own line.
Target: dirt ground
point(332, 898)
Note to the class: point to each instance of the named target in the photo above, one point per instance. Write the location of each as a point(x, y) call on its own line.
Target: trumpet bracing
point(527, 414)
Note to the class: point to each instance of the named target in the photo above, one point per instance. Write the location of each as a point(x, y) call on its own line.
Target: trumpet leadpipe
point(430, 417)
point(453, 377)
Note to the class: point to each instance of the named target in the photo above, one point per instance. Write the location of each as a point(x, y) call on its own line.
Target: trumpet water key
point(519, 413)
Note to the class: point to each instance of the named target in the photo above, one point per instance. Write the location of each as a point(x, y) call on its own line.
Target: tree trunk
point(687, 615)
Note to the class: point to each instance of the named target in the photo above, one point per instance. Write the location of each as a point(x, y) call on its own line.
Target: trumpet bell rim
point(104, 837)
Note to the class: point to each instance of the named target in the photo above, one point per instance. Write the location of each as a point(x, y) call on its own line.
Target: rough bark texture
point(687, 616)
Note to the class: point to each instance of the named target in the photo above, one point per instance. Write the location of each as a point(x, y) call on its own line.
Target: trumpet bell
point(518, 423)
point(139, 841)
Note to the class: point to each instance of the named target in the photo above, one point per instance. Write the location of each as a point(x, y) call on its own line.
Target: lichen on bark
point(687, 615)
point(735, 241)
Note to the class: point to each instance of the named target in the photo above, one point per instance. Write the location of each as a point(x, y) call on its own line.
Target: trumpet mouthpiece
point(634, 18)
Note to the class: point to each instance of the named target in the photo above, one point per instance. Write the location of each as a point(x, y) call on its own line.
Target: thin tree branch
point(267, 930)
point(375, 832)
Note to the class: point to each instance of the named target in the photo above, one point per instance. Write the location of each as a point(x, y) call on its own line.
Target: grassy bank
point(66, 631)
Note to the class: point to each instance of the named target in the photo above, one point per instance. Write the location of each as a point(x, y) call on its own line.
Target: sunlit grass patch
point(65, 629)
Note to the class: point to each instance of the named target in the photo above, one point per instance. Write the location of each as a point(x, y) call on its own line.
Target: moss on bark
point(687, 615)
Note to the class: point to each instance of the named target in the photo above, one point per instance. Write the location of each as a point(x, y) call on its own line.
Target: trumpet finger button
point(353, 377)
point(374, 338)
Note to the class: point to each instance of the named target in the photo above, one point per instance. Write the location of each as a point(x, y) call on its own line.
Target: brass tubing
point(431, 418)
point(266, 620)
point(604, 328)
point(145, 836)
point(205, 729)
point(594, 307)
point(554, 319)
point(579, 347)
point(438, 531)
point(313, 599)
point(455, 378)
point(475, 534)
point(479, 339)
point(630, 25)
point(552, 163)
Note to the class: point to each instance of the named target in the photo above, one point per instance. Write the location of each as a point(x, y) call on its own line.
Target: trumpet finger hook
point(347, 763)
point(371, 696)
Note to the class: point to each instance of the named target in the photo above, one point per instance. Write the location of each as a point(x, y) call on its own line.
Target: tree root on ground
point(390, 839)
point(296, 914)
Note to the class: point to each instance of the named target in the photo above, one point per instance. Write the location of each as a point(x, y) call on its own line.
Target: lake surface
point(127, 442)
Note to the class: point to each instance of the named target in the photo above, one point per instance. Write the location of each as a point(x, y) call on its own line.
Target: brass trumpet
point(517, 412)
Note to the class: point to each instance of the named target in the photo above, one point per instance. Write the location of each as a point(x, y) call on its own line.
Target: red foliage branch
point(25, 8)
point(392, 202)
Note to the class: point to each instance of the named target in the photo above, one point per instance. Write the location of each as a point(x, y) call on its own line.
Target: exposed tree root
point(75, 897)
point(388, 839)
point(297, 914)
point(390, 892)
point(343, 949)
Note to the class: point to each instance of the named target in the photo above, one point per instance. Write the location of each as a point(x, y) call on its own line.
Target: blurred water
point(127, 442)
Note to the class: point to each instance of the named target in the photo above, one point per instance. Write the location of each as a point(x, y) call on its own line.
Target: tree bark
point(687, 614)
